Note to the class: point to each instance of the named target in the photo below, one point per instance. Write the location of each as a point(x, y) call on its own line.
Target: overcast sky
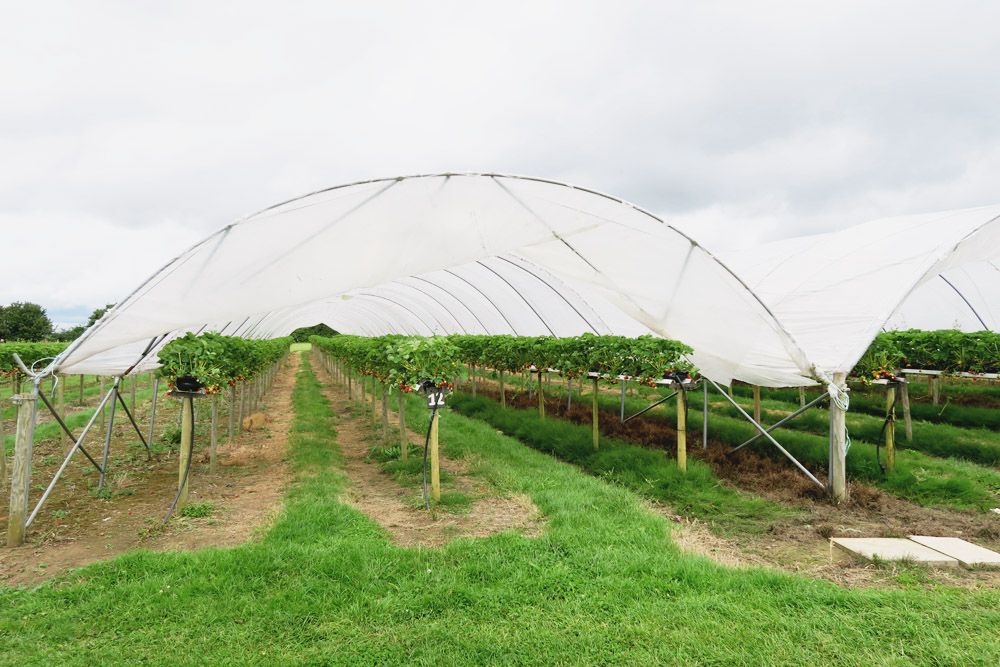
point(130, 130)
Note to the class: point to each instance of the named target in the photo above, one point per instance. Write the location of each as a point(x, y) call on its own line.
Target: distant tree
point(72, 334)
point(24, 321)
point(302, 335)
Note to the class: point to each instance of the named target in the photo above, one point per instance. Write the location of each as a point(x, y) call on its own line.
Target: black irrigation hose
point(885, 424)
point(427, 444)
point(187, 468)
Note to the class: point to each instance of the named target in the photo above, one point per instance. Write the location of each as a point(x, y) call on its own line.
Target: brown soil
point(75, 527)
point(800, 543)
point(399, 508)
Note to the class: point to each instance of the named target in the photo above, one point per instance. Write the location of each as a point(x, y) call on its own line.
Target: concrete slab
point(964, 552)
point(894, 548)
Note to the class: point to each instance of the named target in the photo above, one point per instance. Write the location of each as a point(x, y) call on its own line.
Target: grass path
point(603, 585)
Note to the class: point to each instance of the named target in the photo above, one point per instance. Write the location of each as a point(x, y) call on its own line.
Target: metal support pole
point(149, 454)
point(107, 438)
point(569, 393)
point(152, 412)
point(213, 460)
point(786, 419)
point(650, 407)
point(78, 444)
point(65, 428)
point(768, 436)
point(404, 438)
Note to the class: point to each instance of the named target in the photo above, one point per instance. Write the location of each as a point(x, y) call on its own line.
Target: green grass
point(300, 347)
point(602, 585)
point(924, 479)
point(696, 493)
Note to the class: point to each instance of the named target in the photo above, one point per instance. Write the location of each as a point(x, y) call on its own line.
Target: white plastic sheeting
point(476, 253)
point(834, 292)
point(493, 254)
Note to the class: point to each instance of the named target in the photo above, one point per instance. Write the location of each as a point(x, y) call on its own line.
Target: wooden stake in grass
point(904, 398)
point(838, 444)
point(802, 397)
point(435, 463)
point(21, 468)
point(131, 395)
point(890, 427)
point(756, 403)
point(935, 387)
point(79, 400)
point(682, 430)
point(473, 379)
point(232, 411)
point(503, 393)
point(213, 462)
point(385, 413)
point(404, 440)
point(541, 397)
point(596, 431)
point(185, 453)
point(3, 451)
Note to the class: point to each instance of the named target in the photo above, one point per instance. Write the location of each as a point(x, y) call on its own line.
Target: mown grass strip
point(941, 440)
point(603, 585)
point(918, 477)
point(696, 493)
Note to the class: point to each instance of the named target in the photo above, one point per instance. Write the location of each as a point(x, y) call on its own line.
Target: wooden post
point(213, 463)
point(385, 412)
point(802, 397)
point(904, 397)
point(232, 410)
point(152, 410)
point(682, 430)
point(404, 439)
point(243, 400)
point(890, 428)
point(838, 445)
point(935, 387)
point(730, 389)
point(350, 384)
point(503, 393)
point(756, 403)
point(473, 380)
point(20, 477)
point(362, 391)
point(185, 454)
point(374, 397)
point(131, 395)
point(79, 400)
point(67, 444)
point(435, 463)
point(596, 430)
point(541, 397)
point(3, 448)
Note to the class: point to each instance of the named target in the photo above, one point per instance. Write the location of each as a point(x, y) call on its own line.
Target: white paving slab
point(964, 552)
point(894, 548)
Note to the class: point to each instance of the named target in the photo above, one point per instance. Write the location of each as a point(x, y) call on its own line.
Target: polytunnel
point(451, 253)
point(835, 292)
